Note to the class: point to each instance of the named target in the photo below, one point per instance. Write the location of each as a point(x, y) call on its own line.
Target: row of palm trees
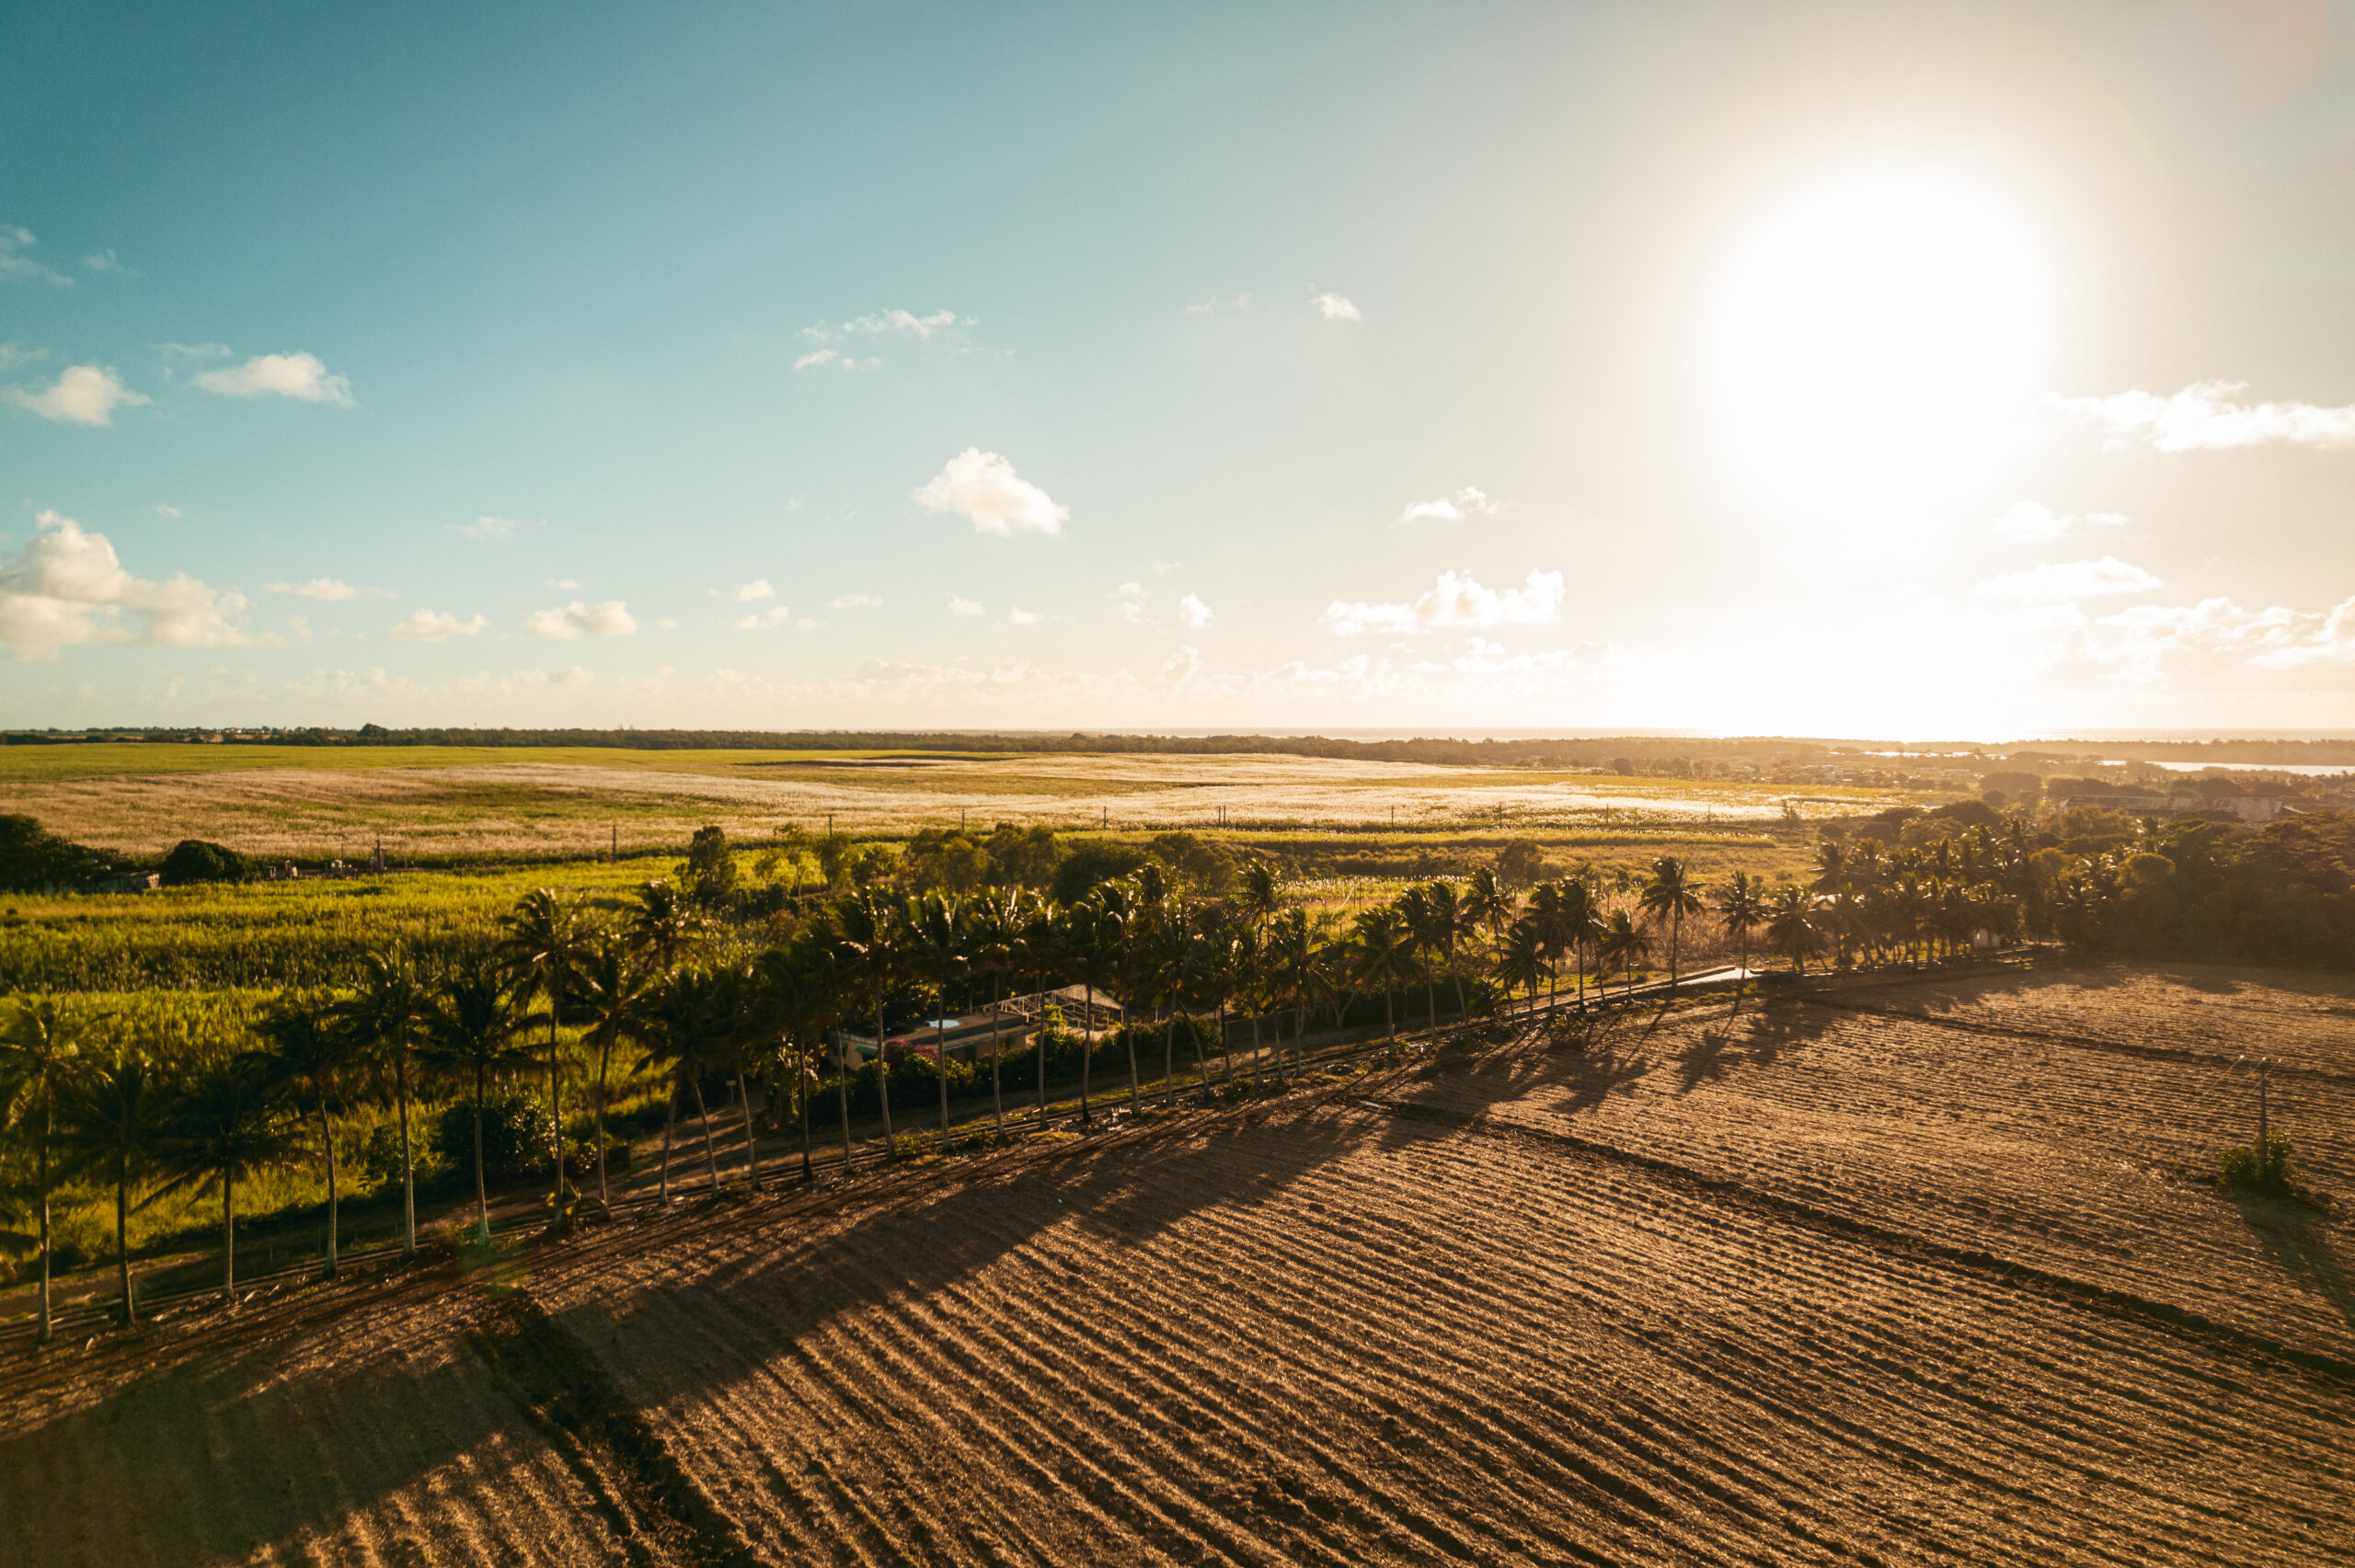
point(650, 994)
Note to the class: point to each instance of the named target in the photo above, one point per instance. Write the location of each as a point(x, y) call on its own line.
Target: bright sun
point(1874, 342)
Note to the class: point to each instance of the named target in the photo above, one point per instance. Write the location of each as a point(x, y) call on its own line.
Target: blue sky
point(1853, 369)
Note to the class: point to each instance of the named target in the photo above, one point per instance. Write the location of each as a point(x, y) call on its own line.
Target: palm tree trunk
point(1430, 1003)
point(842, 1093)
point(1168, 1059)
point(998, 1093)
point(555, 1108)
point(710, 1155)
point(45, 1118)
point(1389, 1011)
point(1086, 1056)
point(670, 1120)
point(1254, 1044)
point(883, 1077)
point(804, 1075)
point(482, 1194)
point(605, 1056)
point(1463, 1008)
point(408, 1168)
point(327, 1128)
point(122, 1235)
point(940, 1060)
point(751, 1150)
point(229, 1240)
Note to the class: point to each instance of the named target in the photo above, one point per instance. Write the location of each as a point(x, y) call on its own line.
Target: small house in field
point(130, 882)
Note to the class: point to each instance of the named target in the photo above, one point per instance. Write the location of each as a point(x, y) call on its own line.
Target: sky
point(1965, 370)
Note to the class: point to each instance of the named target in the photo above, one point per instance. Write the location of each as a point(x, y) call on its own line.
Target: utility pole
point(614, 858)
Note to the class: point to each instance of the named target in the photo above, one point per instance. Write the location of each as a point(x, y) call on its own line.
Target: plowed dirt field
point(1902, 1274)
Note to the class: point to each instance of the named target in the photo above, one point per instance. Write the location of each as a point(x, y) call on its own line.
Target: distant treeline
point(1513, 753)
point(2262, 753)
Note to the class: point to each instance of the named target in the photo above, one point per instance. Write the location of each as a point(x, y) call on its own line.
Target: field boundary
point(2125, 1304)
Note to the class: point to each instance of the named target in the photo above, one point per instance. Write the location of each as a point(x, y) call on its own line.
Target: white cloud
point(24, 269)
point(767, 620)
point(942, 324)
point(1338, 307)
point(1193, 612)
point(564, 582)
point(1130, 599)
point(1214, 306)
point(2275, 638)
point(817, 357)
point(299, 376)
point(83, 394)
point(2057, 582)
point(1456, 600)
point(2029, 523)
point(957, 606)
point(1018, 616)
point(2203, 417)
point(434, 626)
point(667, 624)
point(1183, 665)
point(758, 589)
point(854, 601)
point(1163, 569)
point(162, 510)
point(326, 590)
point(1468, 502)
point(983, 486)
point(67, 587)
point(107, 262)
point(494, 527)
point(611, 619)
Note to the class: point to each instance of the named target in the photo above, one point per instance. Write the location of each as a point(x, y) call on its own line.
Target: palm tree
point(1263, 893)
point(1122, 922)
point(386, 1015)
point(1383, 954)
point(117, 1118)
point(547, 943)
point(866, 950)
point(472, 1030)
point(1670, 895)
point(1622, 944)
point(230, 1125)
point(1440, 918)
point(615, 991)
point(992, 920)
point(1487, 905)
point(936, 939)
point(40, 1063)
point(664, 925)
point(1790, 923)
point(1554, 914)
point(314, 1055)
point(1742, 906)
point(1035, 948)
point(1522, 960)
point(696, 1010)
point(1291, 959)
point(801, 997)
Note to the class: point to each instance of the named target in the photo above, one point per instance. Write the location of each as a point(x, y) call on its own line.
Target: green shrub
point(518, 1134)
point(380, 1157)
point(2261, 1170)
point(193, 860)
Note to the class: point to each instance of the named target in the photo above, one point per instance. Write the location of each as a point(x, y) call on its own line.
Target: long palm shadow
point(2298, 1239)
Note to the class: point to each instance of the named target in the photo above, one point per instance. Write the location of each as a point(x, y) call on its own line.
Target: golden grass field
point(322, 802)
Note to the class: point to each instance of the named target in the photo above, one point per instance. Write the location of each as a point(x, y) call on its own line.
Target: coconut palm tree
point(1791, 925)
point(473, 1032)
point(40, 1063)
point(386, 1018)
point(1382, 953)
point(1668, 897)
point(695, 1010)
point(1122, 920)
point(1035, 948)
point(867, 953)
point(800, 996)
point(230, 1125)
point(1742, 904)
point(1292, 966)
point(1261, 893)
point(616, 991)
point(1623, 945)
point(319, 1060)
point(1521, 958)
point(1441, 919)
point(1554, 914)
point(935, 929)
point(992, 919)
point(548, 943)
point(1488, 906)
point(117, 1118)
point(664, 925)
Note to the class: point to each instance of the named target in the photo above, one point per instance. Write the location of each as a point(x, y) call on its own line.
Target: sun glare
point(1874, 342)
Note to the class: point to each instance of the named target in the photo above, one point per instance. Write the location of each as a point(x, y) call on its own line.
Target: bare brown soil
point(1902, 1274)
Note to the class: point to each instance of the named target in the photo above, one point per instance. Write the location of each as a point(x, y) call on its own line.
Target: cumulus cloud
point(817, 357)
point(1456, 600)
point(16, 266)
point(2057, 582)
point(1129, 596)
point(2029, 523)
point(983, 486)
point(494, 527)
point(1183, 665)
point(854, 601)
point(1214, 306)
point(940, 326)
point(436, 627)
point(326, 590)
point(107, 262)
point(767, 620)
point(2204, 417)
point(299, 376)
point(611, 619)
point(1193, 612)
point(1336, 307)
point(957, 606)
point(1468, 502)
point(66, 585)
point(165, 510)
point(83, 394)
point(2274, 638)
point(757, 588)
point(1018, 616)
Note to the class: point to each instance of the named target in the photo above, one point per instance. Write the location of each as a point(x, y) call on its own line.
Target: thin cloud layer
point(326, 590)
point(1467, 503)
point(1336, 307)
point(983, 486)
point(16, 267)
point(66, 585)
point(2203, 417)
point(2058, 582)
point(299, 376)
point(611, 619)
point(1192, 611)
point(83, 394)
point(2027, 523)
point(436, 627)
point(902, 324)
point(1457, 599)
